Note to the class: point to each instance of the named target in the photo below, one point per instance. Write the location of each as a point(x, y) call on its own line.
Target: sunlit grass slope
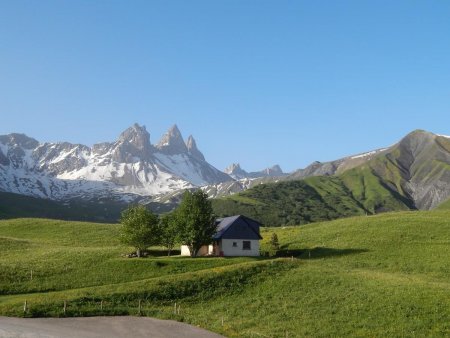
point(377, 276)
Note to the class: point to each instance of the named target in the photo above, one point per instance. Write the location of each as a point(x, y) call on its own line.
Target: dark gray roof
point(237, 227)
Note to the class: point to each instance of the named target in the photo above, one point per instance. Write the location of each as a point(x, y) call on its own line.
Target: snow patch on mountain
point(370, 153)
point(129, 166)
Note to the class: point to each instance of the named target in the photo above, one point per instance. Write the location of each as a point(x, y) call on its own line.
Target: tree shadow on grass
point(152, 253)
point(318, 252)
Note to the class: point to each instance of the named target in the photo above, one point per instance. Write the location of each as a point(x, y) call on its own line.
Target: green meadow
point(380, 276)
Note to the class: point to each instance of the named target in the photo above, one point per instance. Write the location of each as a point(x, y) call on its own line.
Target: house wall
point(226, 246)
point(204, 250)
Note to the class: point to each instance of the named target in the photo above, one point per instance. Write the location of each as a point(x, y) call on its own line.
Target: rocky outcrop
point(193, 150)
point(172, 142)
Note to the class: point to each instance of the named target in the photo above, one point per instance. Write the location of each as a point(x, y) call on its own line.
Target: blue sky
point(257, 82)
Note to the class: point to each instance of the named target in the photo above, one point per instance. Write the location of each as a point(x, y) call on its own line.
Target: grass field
point(379, 276)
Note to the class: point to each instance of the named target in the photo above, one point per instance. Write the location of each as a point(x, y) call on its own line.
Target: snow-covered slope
point(125, 169)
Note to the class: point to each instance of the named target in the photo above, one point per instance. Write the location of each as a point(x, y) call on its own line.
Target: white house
point(235, 236)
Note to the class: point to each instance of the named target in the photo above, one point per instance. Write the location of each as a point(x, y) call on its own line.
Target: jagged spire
point(172, 142)
point(193, 150)
point(136, 135)
point(235, 171)
point(135, 141)
point(273, 171)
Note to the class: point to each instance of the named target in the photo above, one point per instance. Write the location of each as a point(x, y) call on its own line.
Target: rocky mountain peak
point(193, 150)
point(235, 171)
point(133, 142)
point(20, 140)
point(417, 142)
point(172, 142)
point(136, 135)
point(273, 171)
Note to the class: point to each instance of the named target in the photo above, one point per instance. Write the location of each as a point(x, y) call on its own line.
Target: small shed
point(236, 236)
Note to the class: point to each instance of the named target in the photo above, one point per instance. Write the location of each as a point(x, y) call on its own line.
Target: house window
point(234, 244)
point(246, 245)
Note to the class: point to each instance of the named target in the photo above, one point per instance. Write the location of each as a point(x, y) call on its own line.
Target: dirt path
point(96, 327)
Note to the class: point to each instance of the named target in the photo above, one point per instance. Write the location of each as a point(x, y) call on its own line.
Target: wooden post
point(101, 305)
point(25, 307)
point(175, 309)
point(178, 310)
point(139, 307)
point(309, 253)
point(222, 320)
point(65, 306)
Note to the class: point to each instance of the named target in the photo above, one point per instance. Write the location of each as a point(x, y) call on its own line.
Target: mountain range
point(128, 169)
point(411, 174)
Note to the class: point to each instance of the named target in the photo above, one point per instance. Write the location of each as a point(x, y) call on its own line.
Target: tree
point(169, 231)
point(274, 245)
point(140, 228)
point(195, 220)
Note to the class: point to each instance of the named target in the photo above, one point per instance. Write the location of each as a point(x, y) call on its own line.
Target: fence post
point(139, 307)
point(175, 309)
point(25, 307)
point(65, 306)
point(101, 305)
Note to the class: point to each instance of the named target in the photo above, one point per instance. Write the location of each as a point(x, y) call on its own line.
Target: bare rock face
point(133, 143)
point(193, 150)
point(235, 171)
point(172, 142)
point(423, 160)
point(19, 140)
point(4, 160)
point(273, 171)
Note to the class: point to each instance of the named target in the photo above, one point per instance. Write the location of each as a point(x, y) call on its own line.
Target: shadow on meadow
point(317, 252)
point(153, 253)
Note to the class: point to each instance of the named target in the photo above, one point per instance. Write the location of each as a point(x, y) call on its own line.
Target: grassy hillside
point(15, 205)
point(384, 275)
point(356, 192)
point(100, 210)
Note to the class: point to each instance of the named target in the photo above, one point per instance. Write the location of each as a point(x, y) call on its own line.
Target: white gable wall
point(204, 250)
point(226, 246)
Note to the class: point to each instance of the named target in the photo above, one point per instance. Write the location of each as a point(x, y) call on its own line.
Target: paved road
point(96, 327)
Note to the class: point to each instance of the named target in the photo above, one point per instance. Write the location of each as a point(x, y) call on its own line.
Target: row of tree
point(191, 224)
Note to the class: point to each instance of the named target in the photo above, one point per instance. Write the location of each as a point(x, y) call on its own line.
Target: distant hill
point(100, 210)
point(311, 200)
point(416, 169)
point(412, 174)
